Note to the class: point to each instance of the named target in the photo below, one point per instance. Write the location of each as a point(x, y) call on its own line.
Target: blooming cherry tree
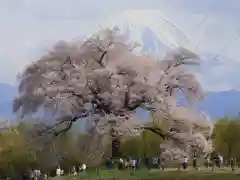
point(102, 79)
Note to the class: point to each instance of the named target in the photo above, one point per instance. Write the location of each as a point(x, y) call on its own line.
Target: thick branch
point(69, 120)
point(135, 104)
point(104, 52)
point(163, 135)
point(101, 58)
point(156, 131)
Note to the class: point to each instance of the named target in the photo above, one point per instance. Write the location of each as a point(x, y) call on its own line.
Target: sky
point(29, 27)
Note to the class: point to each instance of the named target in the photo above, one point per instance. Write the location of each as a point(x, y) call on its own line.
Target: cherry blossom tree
point(104, 80)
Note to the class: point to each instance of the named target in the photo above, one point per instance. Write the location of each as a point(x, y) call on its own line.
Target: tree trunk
point(116, 145)
point(145, 144)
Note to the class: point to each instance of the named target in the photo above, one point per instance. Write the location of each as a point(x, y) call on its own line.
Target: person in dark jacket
point(195, 162)
point(147, 162)
point(138, 161)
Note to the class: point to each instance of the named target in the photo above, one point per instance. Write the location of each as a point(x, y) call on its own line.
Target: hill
point(215, 104)
point(7, 94)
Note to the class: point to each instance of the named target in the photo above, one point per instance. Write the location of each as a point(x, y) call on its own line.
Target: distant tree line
point(20, 151)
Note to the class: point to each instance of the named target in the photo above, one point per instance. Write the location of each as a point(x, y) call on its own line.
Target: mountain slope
point(7, 94)
point(215, 104)
point(220, 104)
point(151, 29)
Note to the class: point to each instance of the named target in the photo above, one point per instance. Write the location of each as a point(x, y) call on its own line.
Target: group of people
point(36, 174)
point(131, 163)
point(155, 162)
point(210, 161)
point(59, 171)
point(81, 168)
point(194, 162)
point(214, 160)
point(123, 163)
point(218, 161)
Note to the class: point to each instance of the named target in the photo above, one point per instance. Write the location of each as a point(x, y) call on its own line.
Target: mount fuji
point(150, 29)
point(157, 35)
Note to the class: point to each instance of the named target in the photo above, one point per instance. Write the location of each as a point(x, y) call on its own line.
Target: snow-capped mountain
point(155, 33)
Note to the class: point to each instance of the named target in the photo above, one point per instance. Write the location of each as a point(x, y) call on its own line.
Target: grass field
point(169, 174)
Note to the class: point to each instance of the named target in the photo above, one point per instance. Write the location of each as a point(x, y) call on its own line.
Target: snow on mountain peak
point(150, 28)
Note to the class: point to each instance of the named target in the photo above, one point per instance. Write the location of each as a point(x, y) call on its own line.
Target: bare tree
point(103, 80)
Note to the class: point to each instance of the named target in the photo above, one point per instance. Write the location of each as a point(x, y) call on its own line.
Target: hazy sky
point(28, 27)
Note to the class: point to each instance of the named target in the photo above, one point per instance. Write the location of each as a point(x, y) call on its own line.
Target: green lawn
point(169, 174)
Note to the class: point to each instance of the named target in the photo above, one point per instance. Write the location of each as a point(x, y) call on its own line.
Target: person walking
point(125, 163)
point(232, 164)
point(208, 162)
point(83, 167)
point(32, 174)
point(120, 164)
point(162, 164)
point(138, 161)
point(38, 174)
point(45, 176)
point(133, 164)
point(74, 171)
point(185, 162)
point(221, 161)
point(58, 171)
point(35, 174)
point(195, 162)
point(62, 172)
point(109, 163)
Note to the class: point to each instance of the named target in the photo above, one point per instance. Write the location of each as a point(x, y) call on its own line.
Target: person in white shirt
point(58, 171)
point(208, 162)
point(35, 174)
point(32, 174)
point(83, 167)
point(74, 171)
point(185, 162)
point(120, 165)
point(133, 163)
point(221, 160)
point(121, 160)
point(62, 172)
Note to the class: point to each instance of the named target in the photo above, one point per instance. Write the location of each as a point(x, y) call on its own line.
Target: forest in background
point(20, 150)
